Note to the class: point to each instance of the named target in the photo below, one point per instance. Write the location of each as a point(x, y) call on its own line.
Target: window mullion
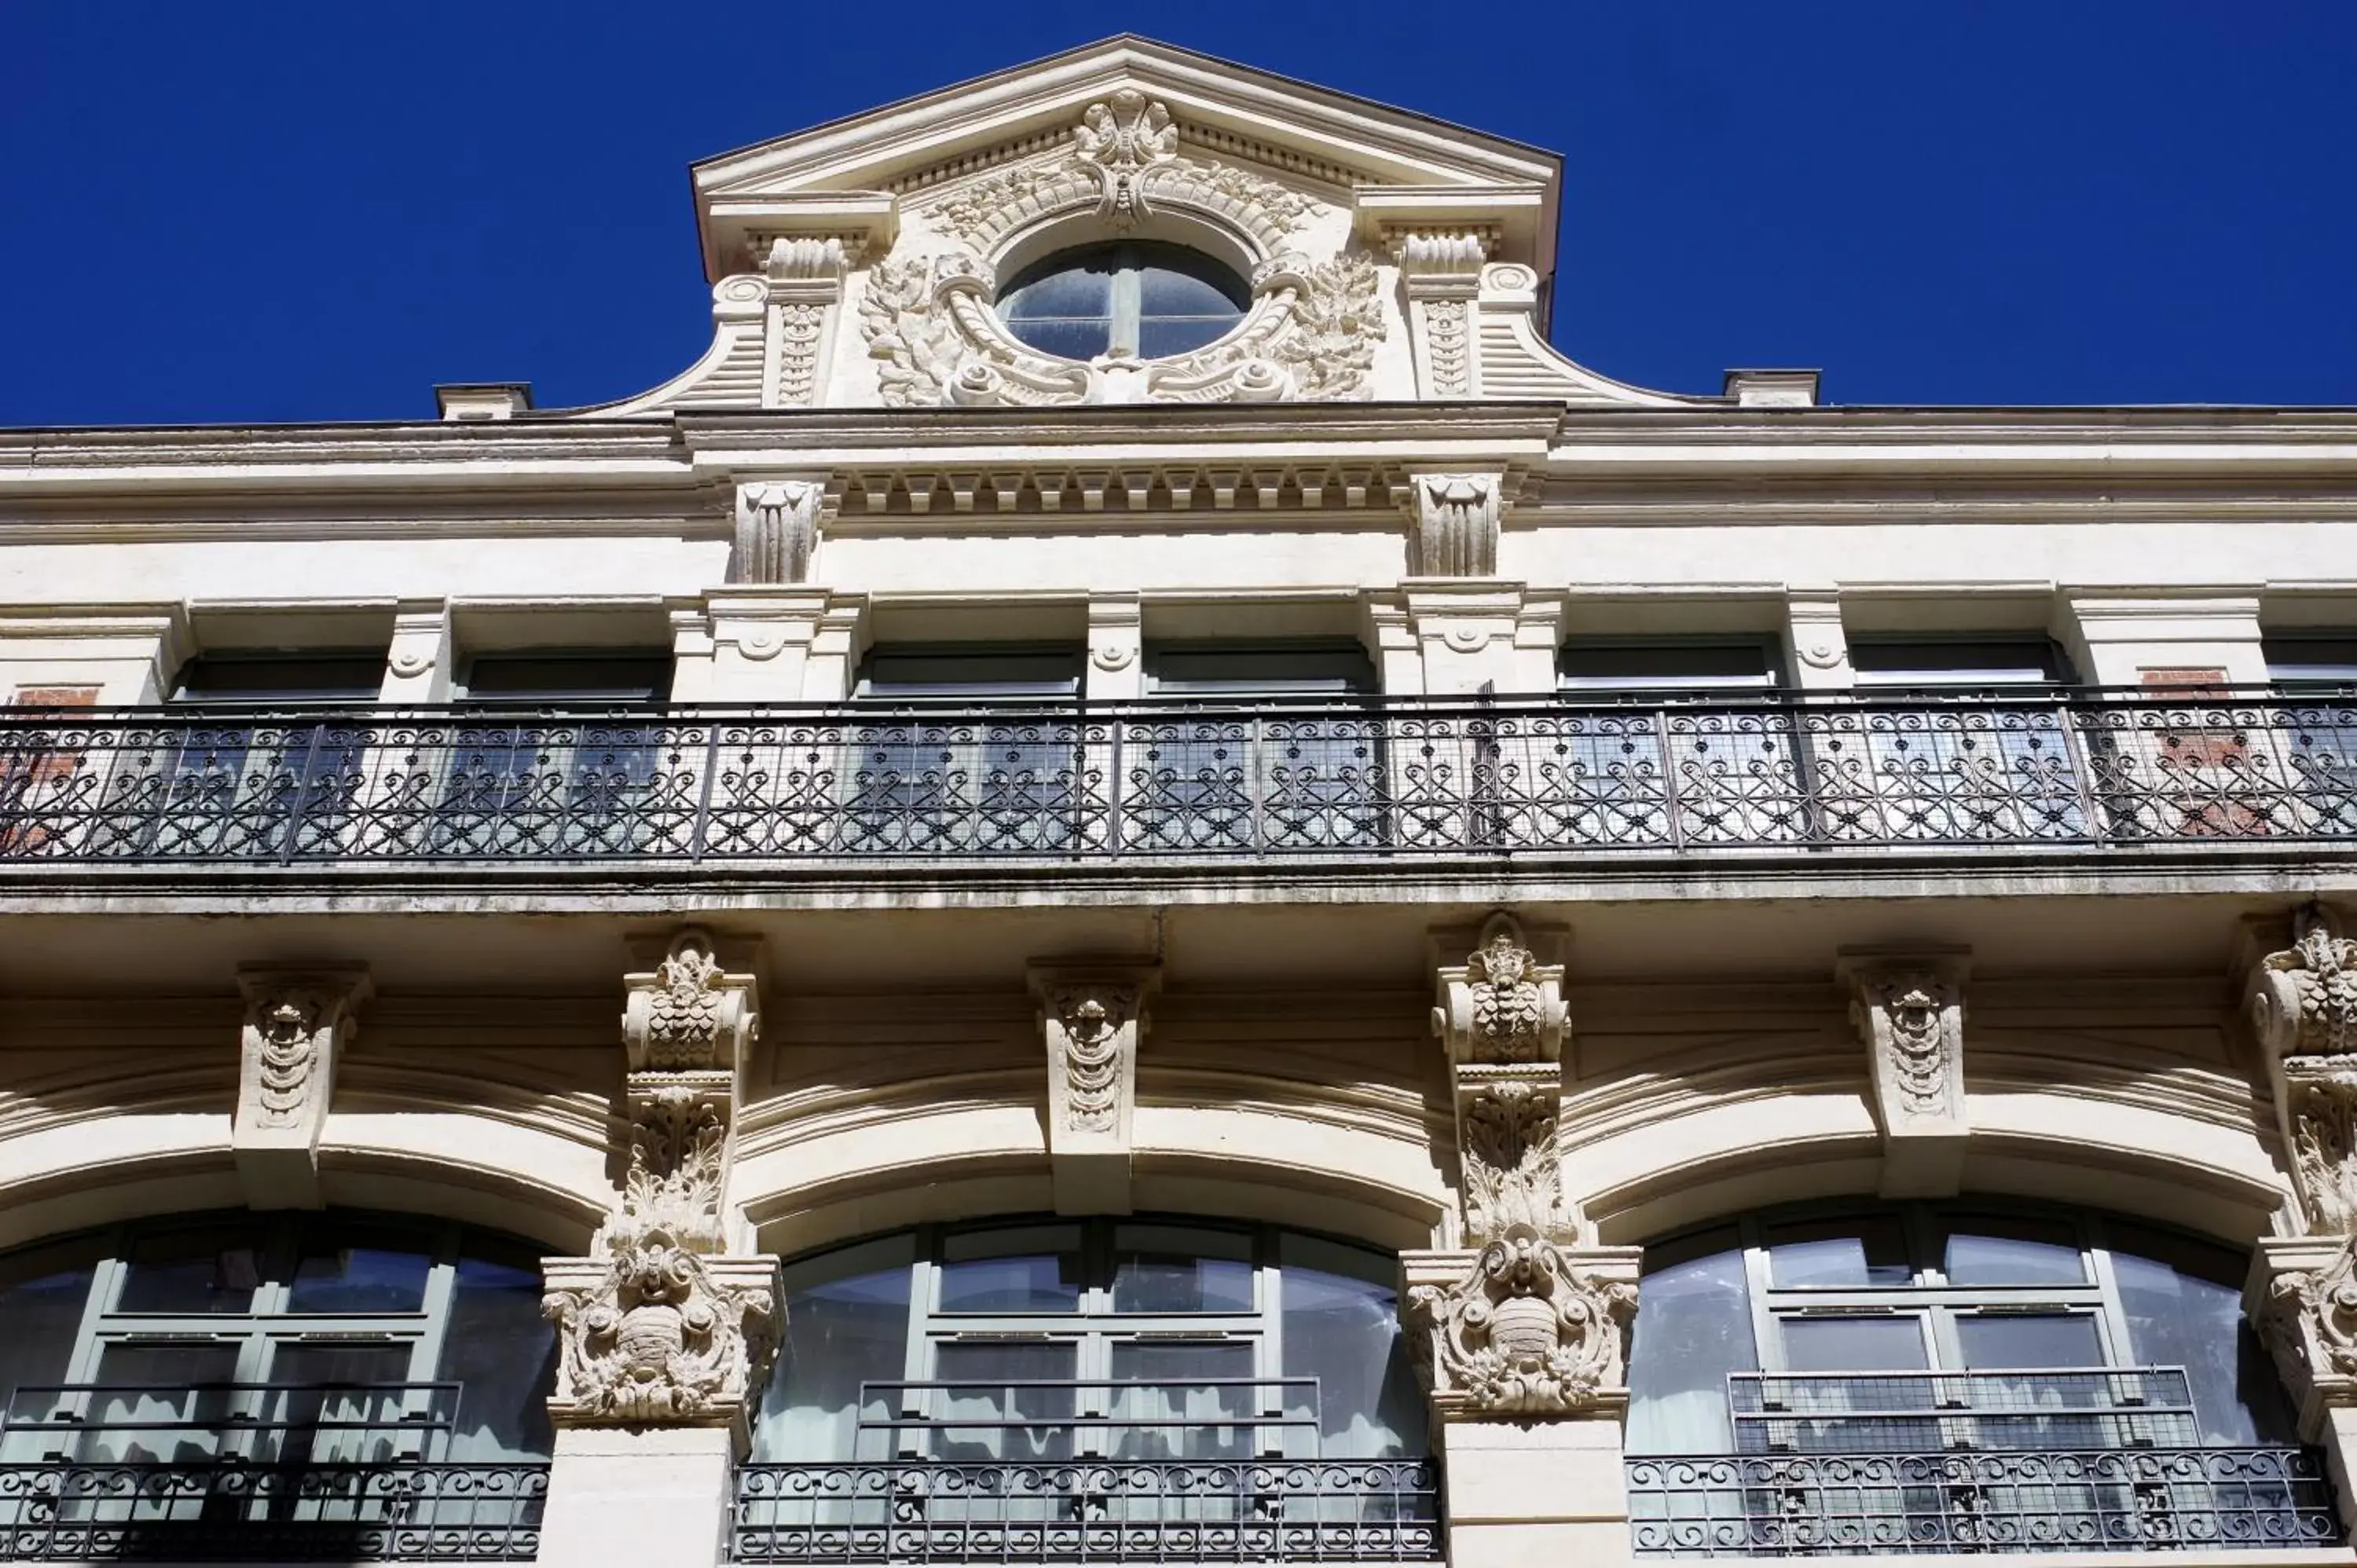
point(1127, 307)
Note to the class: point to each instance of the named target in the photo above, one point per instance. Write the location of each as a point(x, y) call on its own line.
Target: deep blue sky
point(317, 211)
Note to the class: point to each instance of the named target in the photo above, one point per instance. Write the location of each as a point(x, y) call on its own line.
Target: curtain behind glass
point(1694, 1328)
point(2184, 1308)
point(846, 1323)
point(42, 1293)
point(1339, 1318)
point(502, 1353)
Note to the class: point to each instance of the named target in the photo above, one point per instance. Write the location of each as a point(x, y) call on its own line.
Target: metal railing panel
point(1361, 779)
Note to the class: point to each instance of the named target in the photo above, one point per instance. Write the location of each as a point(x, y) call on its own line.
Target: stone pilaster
point(1818, 639)
point(1116, 670)
point(298, 1023)
point(756, 642)
point(804, 275)
point(1440, 277)
point(1908, 1011)
point(659, 1326)
point(417, 667)
point(1093, 1019)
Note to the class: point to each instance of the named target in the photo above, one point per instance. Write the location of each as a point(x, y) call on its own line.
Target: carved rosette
point(1524, 1329)
point(298, 1024)
point(2303, 1002)
point(656, 1328)
point(1092, 1020)
point(1501, 1014)
point(931, 323)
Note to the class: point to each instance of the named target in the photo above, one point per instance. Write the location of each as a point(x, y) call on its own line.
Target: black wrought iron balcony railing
point(1357, 780)
point(2077, 1460)
point(257, 1472)
point(1059, 1471)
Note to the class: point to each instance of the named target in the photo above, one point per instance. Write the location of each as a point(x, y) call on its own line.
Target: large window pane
point(343, 1268)
point(1693, 1328)
point(2183, 1303)
point(501, 1352)
point(201, 1269)
point(1869, 1251)
point(845, 1352)
point(1028, 1268)
point(1012, 1400)
point(1174, 1399)
point(1340, 1316)
point(42, 1294)
point(1999, 1340)
point(2011, 1251)
point(1164, 1267)
point(1835, 1344)
point(161, 1403)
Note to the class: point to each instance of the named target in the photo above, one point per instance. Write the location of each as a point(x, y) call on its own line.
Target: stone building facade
point(1133, 881)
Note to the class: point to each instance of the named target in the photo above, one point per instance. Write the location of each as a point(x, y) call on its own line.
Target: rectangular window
point(624, 676)
point(1947, 663)
point(975, 672)
point(327, 675)
point(1698, 664)
point(1273, 668)
point(2300, 660)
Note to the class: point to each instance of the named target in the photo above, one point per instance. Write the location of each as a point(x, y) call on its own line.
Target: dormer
point(1128, 222)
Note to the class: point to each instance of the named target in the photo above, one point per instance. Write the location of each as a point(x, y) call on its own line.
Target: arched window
point(354, 1337)
point(1060, 1338)
point(1142, 298)
point(1848, 1307)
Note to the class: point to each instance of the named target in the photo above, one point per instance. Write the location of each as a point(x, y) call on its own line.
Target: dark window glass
point(331, 675)
point(1162, 1268)
point(1999, 1340)
point(501, 1352)
point(1274, 669)
point(1136, 297)
point(2183, 1303)
point(2012, 1252)
point(1867, 1251)
point(1031, 1268)
point(1730, 664)
point(632, 677)
point(847, 1345)
point(1694, 1329)
point(976, 670)
point(1942, 662)
point(42, 1294)
point(206, 1269)
point(1834, 1344)
point(2310, 660)
point(348, 1269)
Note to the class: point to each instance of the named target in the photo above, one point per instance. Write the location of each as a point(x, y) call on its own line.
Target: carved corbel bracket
point(1457, 518)
point(1091, 1019)
point(298, 1023)
point(777, 530)
point(1502, 1018)
point(2302, 1294)
point(2303, 1009)
point(1909, 1010)
point(1440, 277)
point(692, 1011)
point(1522, 1329)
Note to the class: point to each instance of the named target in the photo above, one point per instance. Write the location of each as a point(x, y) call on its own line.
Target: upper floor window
point(621, 675)
point(2297, 661)
point(1123, 1339)
point(1698, 664)
point(1269, 669)
point(1138, 298)
point(1912, 1328)
point(973, 671)
point(1949, 663)
point(326, 675)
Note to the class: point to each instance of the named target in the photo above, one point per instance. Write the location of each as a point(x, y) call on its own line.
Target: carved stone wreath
point(1309, 333)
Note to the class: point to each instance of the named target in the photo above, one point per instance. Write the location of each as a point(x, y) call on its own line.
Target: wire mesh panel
point(1295, 779)
point(354, 1472)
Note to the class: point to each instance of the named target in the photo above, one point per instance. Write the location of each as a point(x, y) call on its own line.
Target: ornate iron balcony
point(1210, 1469)
point(256, 1473)
point(2107, 1459)
point(1357, 781)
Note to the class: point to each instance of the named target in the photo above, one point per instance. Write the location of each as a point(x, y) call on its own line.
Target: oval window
point(1139, 298)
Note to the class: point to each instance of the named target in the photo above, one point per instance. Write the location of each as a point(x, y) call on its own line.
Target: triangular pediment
point(1329, 145)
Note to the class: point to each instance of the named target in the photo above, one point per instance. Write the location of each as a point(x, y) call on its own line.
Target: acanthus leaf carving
point(1123, 139)
point(2303, 1003)
point(2309, 1320)
point(1337, 320)
point(1501, 1017)
point(1525, 1332)
point(1501, 1004)
point(1093, 1019)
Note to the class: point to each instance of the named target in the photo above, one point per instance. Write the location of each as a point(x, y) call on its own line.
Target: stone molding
point(1521, 1329)
point(1457, 519)
point(1093, 1019)
point(2303, 1010)
point(1440, 280)
point(656, 1327)
point(1909, 1010)
point(777, 530)
point(1500, 1016)
point(298, 1023)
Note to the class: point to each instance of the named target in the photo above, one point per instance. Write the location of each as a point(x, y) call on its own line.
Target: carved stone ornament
point(2304, 1010)
point(654, 1326)
point(2303, 1297)
point(777, 529)
point(298, 1024)
point(1525, 1332)
point(1310, 331)
point(688, 1013)
point(1501, 1004)
point(1501, 1017)
point(1092, 1020)
point(1456, 521)
point(1912, 1020)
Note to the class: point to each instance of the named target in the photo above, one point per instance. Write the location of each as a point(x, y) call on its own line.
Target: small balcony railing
point(1359, 780)
point(2106, 1459)
point(1059, 1471)
point(261, 1473)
